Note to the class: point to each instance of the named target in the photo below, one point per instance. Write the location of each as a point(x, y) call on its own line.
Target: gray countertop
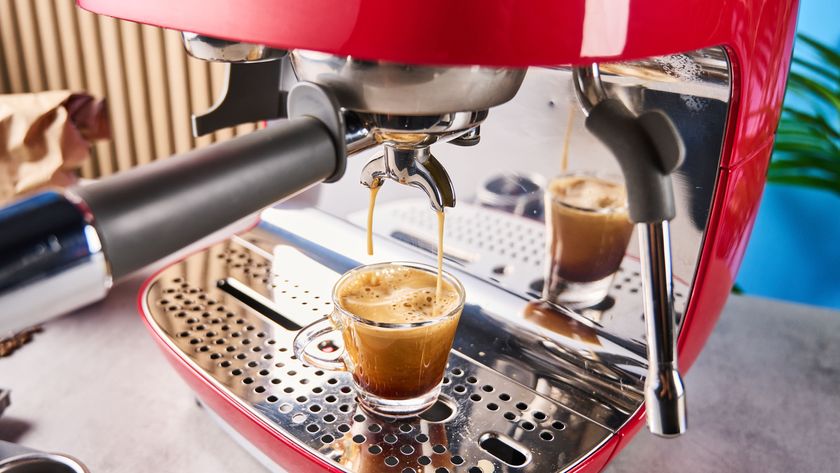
point(764, 396)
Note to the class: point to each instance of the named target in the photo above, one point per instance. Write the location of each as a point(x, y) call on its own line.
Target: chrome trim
point(404, 89)
point(358, 133)
point(664, 389)
point(588, 87)
point(406, 158)
point(208, 48)
point(363, 131)
point(471, 138)
point(59, 269)
point(38, 461)
point(701, 73)
point(409, 130)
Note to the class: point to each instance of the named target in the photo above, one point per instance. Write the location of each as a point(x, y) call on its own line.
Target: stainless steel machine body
point(524, 374)
point(275, 277)
point(525, 390)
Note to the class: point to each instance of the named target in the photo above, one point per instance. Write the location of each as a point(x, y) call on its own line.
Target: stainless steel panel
point(250, 357)
point(585, 369)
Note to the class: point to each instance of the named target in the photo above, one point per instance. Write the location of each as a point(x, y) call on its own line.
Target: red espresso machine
point(682, 97)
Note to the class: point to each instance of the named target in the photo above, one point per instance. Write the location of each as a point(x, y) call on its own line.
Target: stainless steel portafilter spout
point(414, 167)
point(648, 148)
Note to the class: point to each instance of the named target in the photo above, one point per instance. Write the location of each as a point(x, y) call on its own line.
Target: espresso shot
point(404, 355)
point(587, 232)
point(397, 334)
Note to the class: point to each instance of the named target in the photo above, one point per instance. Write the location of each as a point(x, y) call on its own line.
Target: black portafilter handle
point(649, 148)
point(149, 212)
point(60, 251)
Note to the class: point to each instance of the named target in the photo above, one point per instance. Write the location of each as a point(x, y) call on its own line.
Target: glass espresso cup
point(587, 232)
point(396, 345)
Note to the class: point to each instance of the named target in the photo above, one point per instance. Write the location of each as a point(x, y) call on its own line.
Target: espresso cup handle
point(309, 334)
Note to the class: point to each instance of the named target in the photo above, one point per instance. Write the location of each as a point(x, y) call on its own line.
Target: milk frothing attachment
point(648, 148)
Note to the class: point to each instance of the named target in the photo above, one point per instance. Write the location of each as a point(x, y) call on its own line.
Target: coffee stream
point(374, 189)
point(439, 283)
point(564, 165)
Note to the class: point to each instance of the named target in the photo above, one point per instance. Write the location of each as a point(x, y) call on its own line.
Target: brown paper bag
point(45, 137)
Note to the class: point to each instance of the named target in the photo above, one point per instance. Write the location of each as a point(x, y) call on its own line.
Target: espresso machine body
point(524, 390)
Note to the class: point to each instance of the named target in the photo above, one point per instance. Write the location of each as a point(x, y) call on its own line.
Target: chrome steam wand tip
point(665, 401)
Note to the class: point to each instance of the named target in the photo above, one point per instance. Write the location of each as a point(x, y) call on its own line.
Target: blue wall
point(794, 253)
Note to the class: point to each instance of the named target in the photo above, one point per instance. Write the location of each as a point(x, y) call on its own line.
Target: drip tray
point(231, 312)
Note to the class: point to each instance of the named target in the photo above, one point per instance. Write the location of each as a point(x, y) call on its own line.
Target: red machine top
point(487, 32)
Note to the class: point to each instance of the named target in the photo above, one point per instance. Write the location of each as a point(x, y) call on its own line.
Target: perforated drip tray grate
point(224, 311)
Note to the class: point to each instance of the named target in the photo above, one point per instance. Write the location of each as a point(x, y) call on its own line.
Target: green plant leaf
point(800, 144)
point(806, 163)
point(820, 70)
point(830, 56)
point(788, 134)
point(809, 86)
point(789, 125)
point(814, 120)
point(819, 167)
point(806, 181)
point(806, 152)
point(808, 138)
point(803, 130)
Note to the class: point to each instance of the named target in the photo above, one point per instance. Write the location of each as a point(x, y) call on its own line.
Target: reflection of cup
point(587, 232)
point(549, 317)
point(396, 341)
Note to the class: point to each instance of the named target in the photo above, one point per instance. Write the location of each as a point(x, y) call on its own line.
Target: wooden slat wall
point(152, 85)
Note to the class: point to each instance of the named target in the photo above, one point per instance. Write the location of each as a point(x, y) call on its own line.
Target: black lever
point(251, 93)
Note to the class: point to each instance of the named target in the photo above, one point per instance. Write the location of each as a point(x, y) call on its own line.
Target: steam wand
point(648, 148)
